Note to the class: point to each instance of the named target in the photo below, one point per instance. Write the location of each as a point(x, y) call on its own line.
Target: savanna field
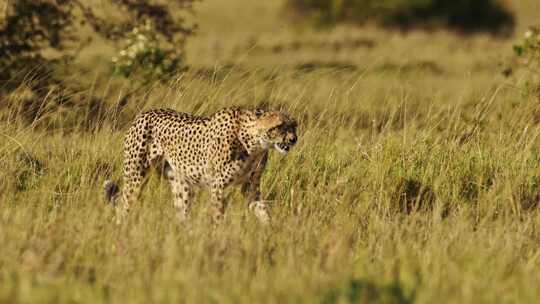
point(416, 177)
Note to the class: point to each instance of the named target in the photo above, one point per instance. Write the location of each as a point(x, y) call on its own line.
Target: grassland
point(416, 178)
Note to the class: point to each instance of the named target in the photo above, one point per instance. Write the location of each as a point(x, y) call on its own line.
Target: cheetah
point(227, 148)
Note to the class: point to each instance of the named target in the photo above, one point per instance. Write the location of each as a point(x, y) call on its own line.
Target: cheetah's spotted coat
point(227, 148)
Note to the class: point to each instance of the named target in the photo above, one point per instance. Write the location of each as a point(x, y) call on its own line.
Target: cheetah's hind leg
point(181, 190)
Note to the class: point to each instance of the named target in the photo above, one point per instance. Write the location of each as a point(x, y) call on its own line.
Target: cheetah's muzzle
point(283, 148)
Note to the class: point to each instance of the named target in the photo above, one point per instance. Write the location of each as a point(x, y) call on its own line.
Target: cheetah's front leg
point(252, 192)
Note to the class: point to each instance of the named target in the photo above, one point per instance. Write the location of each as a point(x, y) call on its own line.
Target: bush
point(528, 50)
point(143, 54)
point(462, 15)
point(27, 28)
point(30, 27)
point(38, 36)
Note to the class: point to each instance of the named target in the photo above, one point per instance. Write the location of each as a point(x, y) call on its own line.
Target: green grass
point(415, 180)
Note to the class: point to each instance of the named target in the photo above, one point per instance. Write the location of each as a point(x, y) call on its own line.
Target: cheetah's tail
point(111, 191)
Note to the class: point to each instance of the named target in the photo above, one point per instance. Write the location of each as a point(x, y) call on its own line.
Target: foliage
point(28, 28)
point(529, 47)
point(142, 54)
point(31, 27)
point(463, 15)
point(529, 51)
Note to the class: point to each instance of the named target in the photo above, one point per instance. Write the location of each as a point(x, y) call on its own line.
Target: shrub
point(530, 46)
point(38, 36)
point(528, 50)
point(144, 54)
point(462, 15)
point(27, 28)
point(30, 27)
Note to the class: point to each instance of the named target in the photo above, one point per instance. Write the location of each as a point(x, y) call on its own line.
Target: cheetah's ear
point(270, 120)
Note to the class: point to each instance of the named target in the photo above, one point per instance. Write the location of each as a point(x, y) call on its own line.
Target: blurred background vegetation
point(37, 34)
point(464, 15)
point(41, 40)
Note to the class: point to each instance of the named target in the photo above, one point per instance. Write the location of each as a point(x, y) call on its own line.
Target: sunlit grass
point(416, 178)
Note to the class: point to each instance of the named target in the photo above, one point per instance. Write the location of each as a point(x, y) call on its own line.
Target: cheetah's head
point(276, 130)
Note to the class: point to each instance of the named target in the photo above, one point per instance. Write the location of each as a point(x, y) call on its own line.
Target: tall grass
point(409, 184)
point(400, 199)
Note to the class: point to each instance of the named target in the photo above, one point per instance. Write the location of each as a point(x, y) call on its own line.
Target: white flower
point(528, 34)
point(115, 59)
point(148, 25)
point(123, 53)
point(140, 47)
point(141, 37)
